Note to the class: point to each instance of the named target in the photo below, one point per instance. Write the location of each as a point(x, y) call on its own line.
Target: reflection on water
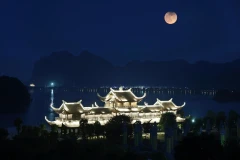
point(51, 116)
point(52, 100)
point(52, 97)
point(198, 102)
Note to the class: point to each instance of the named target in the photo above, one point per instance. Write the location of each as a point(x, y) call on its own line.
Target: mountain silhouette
point(87, 69)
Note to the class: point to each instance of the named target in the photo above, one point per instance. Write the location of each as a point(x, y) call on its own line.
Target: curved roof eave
point(57, 110)
point(140, 98)
point(50, 122)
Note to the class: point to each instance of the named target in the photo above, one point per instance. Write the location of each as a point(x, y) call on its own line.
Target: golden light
point(170, 17)
point(32, 85)
point(137, 112)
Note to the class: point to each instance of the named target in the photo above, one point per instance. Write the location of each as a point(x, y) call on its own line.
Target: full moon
point(170, 17)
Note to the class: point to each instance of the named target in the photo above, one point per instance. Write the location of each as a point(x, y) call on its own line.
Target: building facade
point(116, 102)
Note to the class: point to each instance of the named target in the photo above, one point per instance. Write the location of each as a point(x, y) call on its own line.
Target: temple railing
point(97, 119)
point(107, 118)
point(133, 117)
point(147, 117)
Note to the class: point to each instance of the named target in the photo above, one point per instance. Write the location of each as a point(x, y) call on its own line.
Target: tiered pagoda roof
point(121, 96)
point(73, 107)
point(163, 105)
point(77, 107)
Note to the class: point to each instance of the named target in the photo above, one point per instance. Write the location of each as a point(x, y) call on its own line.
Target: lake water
point(196, 104)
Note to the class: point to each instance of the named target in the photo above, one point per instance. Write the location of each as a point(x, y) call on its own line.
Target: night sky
point(119, 31)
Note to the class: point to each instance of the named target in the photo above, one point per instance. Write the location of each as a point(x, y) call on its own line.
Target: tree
point(197, 124)
point(54, 128)
point(18, 124)
point(180, 112)
point(14, 95)
point(42, 128)
point(146, 127)
point(98, 129)
point(90, 130)
point(3, 134)
point(36, 131)
point(83, 124)
point(29, 132)
point(220, 118)
point(211, 116)
point(232, 119)
point(114, 127)
point(168, 120)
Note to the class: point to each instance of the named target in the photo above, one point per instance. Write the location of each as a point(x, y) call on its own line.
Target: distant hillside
point(14, 95)
point(88, 69)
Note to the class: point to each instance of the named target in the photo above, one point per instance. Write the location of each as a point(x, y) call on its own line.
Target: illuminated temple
point(117, 102)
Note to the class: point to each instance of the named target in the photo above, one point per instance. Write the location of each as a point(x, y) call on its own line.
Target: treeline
point(94, 141)
point(90, 141)
point(229, 120)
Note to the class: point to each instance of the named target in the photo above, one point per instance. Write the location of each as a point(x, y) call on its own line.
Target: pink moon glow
point(170, 17)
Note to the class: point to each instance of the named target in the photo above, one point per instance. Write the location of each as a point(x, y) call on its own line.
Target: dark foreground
point(51, 148)
point(48, 145)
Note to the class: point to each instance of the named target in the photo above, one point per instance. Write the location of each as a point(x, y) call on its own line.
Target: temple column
point(200, 131)
point(168, 140)
point(186, 128)
point(65, 130)
point(136, 135)
point(238, 128)
point(175, 134)
point(227, 131)
point(153, 136)
point(140, 133)
point(208, 127)
point(78, 130)
point(124, 135)
point(222, 134)
point(61, 130)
